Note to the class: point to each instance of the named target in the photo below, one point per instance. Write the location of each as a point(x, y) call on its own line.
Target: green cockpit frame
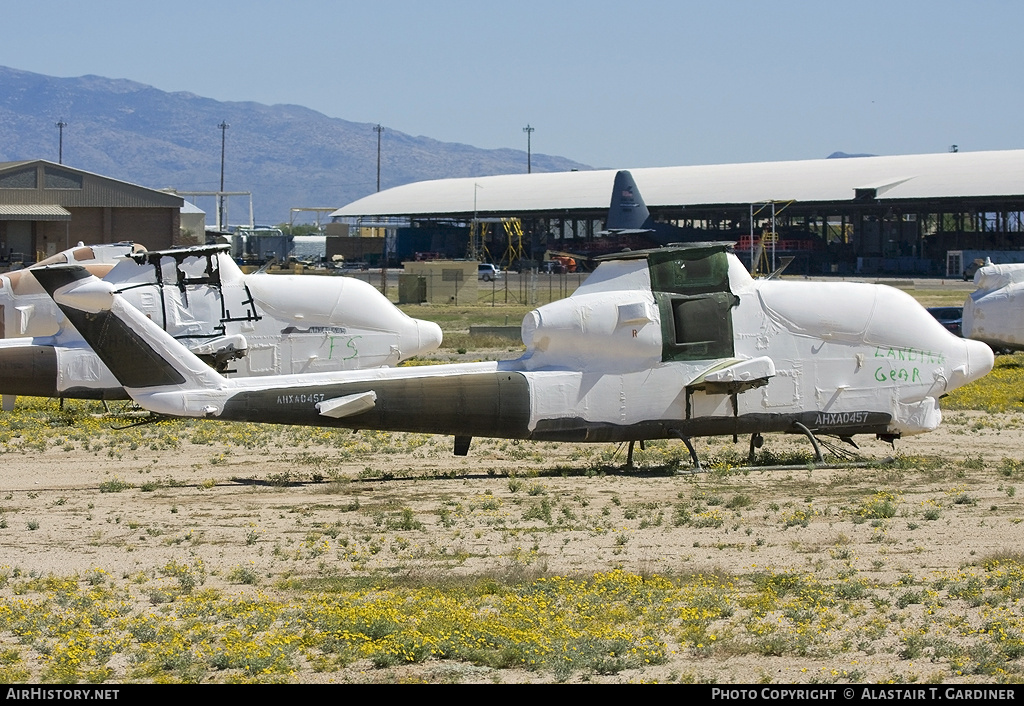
point(691, 286)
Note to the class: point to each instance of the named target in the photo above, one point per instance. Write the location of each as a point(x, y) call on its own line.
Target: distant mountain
point(844, 155)
point(287, 155)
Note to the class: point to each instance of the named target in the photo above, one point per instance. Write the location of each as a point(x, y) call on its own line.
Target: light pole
point(220, 197)
point(529, 158)
point(379, 129)
point(60, 145)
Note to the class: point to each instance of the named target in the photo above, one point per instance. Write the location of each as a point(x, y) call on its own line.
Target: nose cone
point(972, 361)
point(429, 335)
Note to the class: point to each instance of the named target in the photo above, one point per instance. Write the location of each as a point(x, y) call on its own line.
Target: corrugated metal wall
point(103, 210)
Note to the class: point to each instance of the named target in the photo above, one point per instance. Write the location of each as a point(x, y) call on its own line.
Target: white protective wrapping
point(994, 313)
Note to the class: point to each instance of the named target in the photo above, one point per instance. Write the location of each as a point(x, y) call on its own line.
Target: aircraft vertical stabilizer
point(627, 211)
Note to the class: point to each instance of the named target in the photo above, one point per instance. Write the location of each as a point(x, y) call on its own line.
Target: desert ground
point(905, 569)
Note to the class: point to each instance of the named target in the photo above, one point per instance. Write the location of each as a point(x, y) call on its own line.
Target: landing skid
point(847, 458)
point(814, 442)
point(685, 439)
point(629, 454)
point(151, 419)
point(865, 463)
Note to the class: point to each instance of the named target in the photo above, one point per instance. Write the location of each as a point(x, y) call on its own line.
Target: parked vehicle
point(972, 268)
point(951, 317)
point(488, 272)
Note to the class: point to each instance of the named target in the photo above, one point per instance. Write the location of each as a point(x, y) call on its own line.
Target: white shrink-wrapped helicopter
point(994, 312)
point(674, 342)
point(243, 325)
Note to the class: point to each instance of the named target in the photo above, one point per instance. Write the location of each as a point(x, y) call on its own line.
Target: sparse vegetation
point(997, 392)
point(114, 485)
point(267, 554)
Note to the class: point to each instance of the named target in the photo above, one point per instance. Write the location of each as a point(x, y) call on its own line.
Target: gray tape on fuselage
point(495, 404)
point(29, 370)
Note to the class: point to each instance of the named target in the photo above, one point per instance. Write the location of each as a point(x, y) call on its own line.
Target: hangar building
point(908, 214)
point(47, 207)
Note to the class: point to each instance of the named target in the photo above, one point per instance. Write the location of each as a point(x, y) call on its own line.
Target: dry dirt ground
point(218, 493)
point(296, 505)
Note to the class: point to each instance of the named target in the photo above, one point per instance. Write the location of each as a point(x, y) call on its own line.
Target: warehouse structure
point(908, 214)
point(47, 207)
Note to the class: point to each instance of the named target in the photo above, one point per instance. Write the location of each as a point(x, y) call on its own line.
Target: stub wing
point(736, 376)
point(348, 405)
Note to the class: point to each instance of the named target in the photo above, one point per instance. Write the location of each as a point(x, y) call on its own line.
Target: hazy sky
point(611, 84)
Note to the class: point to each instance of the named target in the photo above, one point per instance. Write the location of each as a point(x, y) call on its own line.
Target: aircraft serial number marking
point(299, 399)
point(833, 419)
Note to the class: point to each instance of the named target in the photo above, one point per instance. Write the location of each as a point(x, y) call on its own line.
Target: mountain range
point(288, 156)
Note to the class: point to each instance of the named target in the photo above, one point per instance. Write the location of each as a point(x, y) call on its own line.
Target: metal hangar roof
point(902, 177)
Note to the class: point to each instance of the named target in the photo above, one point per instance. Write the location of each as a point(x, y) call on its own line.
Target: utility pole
point(220, 197)
point(379, 129)
point(529, 158)
point(60, 148)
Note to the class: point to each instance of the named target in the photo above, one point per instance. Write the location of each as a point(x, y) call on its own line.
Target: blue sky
point(611, 84)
